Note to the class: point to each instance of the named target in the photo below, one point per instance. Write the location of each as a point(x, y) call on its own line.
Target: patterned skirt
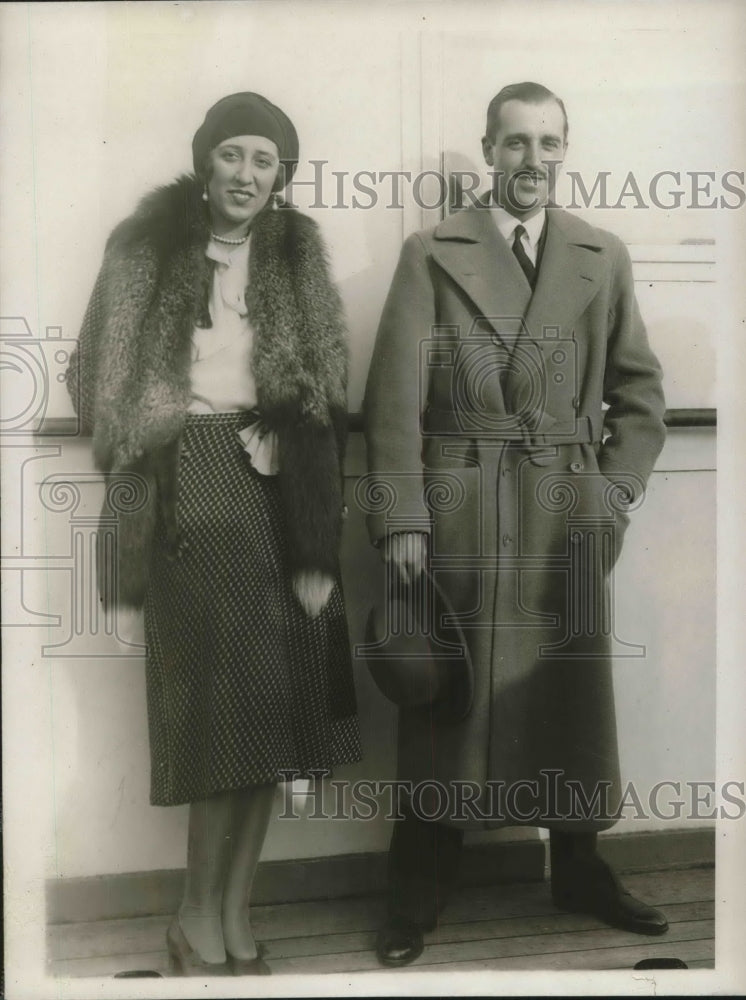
point(241, 684)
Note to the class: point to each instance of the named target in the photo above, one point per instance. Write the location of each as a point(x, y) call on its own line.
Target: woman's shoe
point(183, 960)
point(250, 966)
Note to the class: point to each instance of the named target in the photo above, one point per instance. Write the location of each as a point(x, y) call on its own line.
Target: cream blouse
point(221, 376)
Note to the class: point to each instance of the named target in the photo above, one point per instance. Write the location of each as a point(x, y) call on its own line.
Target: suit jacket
point(486, 426)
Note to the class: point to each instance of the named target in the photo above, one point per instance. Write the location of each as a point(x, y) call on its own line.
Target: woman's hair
point(207, 168)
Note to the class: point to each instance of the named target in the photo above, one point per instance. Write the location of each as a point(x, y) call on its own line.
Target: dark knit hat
point(247, 114)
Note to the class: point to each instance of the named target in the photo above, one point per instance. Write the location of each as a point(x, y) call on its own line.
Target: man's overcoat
point(518, 428)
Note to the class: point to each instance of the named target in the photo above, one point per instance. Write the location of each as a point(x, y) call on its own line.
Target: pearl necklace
point(223, 239)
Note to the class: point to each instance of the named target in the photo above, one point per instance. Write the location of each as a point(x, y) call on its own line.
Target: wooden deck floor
point(493, 927)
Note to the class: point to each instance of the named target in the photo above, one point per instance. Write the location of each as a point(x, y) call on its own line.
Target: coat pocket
point(610, 500)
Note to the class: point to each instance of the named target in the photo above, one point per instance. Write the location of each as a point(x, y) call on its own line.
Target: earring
point(205, 196)
point(275, 201)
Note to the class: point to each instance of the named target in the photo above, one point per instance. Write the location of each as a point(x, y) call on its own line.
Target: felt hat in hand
point(415, 649)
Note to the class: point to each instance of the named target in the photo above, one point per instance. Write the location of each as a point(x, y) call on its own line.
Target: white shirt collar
point(506, 223)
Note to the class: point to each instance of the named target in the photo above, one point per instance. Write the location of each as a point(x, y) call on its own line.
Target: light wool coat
point(516, 428)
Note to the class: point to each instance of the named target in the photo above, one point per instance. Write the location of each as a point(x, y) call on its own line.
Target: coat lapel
point(569, 274)
point(469, 248)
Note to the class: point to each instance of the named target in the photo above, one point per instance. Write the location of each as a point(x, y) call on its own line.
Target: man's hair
point(531, 93)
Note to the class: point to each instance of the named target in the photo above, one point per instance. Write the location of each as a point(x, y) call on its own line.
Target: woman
point(212, 367)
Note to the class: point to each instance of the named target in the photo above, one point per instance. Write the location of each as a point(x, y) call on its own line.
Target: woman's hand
point(313, 589)
point(408, 552)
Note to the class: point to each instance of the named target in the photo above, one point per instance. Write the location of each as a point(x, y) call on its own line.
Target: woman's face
point(241, 172)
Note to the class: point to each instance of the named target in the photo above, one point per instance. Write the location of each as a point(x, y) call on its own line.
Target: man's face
point(526, 155)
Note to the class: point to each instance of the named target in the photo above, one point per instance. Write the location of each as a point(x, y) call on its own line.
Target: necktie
point(522, 257)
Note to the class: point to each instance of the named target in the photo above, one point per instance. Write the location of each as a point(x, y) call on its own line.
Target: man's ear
point(488, 150)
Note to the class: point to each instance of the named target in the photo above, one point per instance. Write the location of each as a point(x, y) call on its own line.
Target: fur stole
point(130, 374)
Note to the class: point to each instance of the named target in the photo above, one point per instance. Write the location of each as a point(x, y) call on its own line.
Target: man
point(507, 330)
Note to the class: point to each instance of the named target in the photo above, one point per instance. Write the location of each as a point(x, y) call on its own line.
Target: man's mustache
point(528, 172)
point(540, 173)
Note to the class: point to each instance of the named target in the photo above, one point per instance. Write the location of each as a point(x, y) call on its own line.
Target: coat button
point(576, 466)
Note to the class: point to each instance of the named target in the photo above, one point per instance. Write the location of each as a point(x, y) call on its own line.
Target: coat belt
point(586, 429)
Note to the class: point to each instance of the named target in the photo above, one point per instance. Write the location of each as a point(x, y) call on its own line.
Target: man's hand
point(313, 590)
point(408, 552)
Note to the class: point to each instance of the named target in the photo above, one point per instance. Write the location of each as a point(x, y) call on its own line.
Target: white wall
point(104, 101)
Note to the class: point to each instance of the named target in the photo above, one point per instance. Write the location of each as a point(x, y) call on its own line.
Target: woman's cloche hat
point(247, 113)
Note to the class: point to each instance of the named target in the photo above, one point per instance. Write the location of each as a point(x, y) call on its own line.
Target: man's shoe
point(399, 942)
point(588, 885)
